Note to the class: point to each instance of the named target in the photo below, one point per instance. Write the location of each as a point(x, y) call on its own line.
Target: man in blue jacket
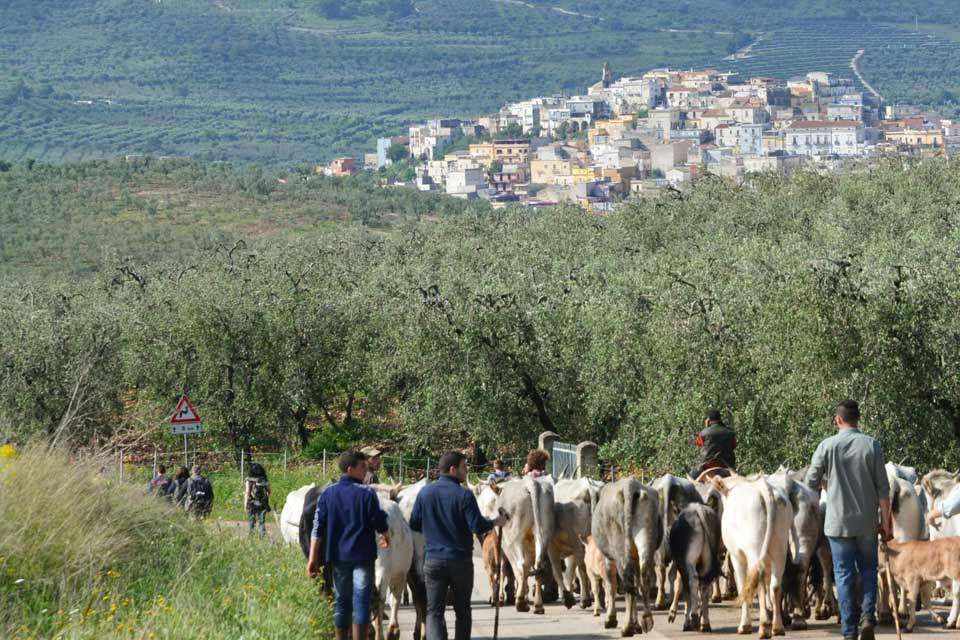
point(348, 517)
point(448, 514)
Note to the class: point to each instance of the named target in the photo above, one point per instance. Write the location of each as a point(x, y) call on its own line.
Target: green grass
point(84, 556)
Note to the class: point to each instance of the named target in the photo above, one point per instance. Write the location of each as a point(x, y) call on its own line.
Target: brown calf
point(599, 568)
point(507, 580)
point(919, 561)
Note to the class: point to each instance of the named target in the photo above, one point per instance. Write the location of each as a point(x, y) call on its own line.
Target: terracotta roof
point(825, 124)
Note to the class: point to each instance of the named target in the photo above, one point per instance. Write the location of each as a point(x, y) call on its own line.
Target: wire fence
point(393, 468)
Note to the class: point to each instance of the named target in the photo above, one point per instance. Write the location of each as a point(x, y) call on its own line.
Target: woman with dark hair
point(536, 466)
point(177, 489)
point(256, 498)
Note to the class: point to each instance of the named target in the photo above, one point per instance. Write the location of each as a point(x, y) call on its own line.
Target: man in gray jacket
point(851, 466)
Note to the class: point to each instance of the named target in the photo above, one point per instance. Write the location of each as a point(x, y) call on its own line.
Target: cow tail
point(540, 537)
point(665, 507)
point(626, 556)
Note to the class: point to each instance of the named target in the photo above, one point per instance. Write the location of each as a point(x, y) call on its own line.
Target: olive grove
point(771, 300)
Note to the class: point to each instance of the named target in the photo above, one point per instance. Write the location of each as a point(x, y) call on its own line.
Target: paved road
point(577, 624)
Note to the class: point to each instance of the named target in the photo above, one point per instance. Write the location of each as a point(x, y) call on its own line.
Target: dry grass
point(85, 556)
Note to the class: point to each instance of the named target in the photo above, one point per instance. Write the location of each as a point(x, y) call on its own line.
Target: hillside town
point(638, 136)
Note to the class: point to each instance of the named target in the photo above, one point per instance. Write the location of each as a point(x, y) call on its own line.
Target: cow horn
point(720, 485)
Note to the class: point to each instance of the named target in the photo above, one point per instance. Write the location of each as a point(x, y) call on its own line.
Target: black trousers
point(455, 575)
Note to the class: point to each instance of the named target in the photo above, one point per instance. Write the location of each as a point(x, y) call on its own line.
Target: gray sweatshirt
point(852, 465)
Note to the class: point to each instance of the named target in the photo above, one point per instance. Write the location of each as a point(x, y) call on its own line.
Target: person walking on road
point(348, 518)
point(256, 498)
point(447, 514)
point(851, 465)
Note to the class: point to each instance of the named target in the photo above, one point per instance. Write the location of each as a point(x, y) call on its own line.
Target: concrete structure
point(821, 137)
point(465, 183)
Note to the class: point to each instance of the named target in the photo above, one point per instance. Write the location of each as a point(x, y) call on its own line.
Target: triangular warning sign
point(184, 413)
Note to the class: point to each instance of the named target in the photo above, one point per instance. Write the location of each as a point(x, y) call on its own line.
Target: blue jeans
point(352, 587)
point(853, 556)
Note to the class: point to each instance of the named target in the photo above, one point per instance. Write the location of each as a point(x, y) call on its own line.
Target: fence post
point(241, 467)
point(154, 461)
point(427, 476)
point(324, 462)
point(284, 464)
point(121, 465)
point(401, 468)
point(586, 459)
point(546, 440)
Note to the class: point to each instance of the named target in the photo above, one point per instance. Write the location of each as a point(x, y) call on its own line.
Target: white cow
point(936, 485)
point(573, 509)
point(805, 534)
point(393, 565)
point(290, 515)
point(627, 529)
point(527, 534)
point(487, 497)
point(416, 579)
point(756, 531)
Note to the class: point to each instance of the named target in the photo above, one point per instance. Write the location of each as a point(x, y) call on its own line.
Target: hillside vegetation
point(76, 219)
point(86, 556)
point(771, 300)
point(280, 82)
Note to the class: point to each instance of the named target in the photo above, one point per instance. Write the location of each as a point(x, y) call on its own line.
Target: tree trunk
point(537, 399)
point(348, 418)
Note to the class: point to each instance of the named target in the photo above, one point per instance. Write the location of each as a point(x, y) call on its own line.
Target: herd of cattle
point(762, 536)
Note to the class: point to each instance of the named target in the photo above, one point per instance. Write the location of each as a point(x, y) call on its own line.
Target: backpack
point(201, 493)
point(258, 494)
point(163, 488)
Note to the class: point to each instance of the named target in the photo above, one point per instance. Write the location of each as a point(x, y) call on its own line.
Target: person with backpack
point(256, 498)
point(177, 489)
point(160, 482)
point(199, 494)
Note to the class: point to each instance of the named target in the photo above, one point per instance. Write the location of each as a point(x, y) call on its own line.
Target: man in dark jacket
point(717, 442)
point(447, 514)
point(348, 515)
